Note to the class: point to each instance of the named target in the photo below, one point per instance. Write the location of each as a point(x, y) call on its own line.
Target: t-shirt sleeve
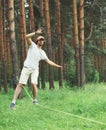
point(44, 56)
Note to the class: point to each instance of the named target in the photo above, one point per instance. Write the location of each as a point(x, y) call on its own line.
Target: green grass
point(64, 109)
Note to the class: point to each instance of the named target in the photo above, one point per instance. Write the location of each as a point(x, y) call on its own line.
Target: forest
point(71, 98)
point(75, 32)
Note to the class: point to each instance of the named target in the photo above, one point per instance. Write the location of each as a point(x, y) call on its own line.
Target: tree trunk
point(76, 43)
point(32, 24)
point(82, 75)
point(47, 15)
point(60, 50)
point(1, 43)
point(13, 41)
point(23, 31)
point(4, 48)
point(42, 64)
point(41, 4)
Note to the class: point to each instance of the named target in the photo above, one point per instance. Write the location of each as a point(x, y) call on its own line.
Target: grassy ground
point(64, 109)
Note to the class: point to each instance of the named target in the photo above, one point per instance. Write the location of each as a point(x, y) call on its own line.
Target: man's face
point(40, 42)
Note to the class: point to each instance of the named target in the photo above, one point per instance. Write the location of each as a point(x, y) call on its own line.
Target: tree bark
point(60, 49)
point(76, 43)
point(23, 31)
point(47, 15)
point(1, 44)
point(42, 63)
point(13, 42)
point(32, 23)
point(82, 75)
point(4, 64)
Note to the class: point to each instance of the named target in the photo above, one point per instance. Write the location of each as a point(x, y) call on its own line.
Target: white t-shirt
point(34, 55)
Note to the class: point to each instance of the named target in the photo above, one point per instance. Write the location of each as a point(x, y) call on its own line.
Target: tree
point(5, 41)
point(82, 74)
point(23, 30)
point(76, 43)
point(42, 63)
point(2, 63)
point(41, 5)
point(13, 41)
point(60, 46)
point(47, 16)
point(32, 24)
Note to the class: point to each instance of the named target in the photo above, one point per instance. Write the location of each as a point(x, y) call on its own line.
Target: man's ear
point(36, 42)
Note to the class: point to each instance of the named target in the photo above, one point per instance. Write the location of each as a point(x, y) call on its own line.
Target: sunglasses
point(41, 39)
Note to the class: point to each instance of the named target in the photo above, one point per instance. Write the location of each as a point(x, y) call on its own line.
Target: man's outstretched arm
point(30, 35)
point(52, 63)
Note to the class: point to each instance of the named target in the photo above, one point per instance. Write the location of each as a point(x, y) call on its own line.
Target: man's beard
point(40, 44)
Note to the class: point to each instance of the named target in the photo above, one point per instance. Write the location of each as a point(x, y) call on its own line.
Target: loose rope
point(73, 115)
point(66, 113)
point(28, 94)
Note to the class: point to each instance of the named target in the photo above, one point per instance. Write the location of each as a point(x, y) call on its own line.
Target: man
point(31, 66)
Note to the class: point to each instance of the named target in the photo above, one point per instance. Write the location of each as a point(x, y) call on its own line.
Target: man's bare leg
point(17, 91)
point(16, 94)
point(34, 91)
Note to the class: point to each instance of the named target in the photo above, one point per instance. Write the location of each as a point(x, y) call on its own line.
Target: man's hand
point(40, 30)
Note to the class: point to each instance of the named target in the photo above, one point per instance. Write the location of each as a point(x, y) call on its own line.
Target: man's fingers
point(41, 29)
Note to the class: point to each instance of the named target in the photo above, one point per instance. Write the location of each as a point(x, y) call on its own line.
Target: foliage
point(68, 53)
point(70, 69)
point(58, 110)
point(92, 75)
point(71, 74)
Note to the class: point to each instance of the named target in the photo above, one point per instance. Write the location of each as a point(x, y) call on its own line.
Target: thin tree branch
point(90, 34)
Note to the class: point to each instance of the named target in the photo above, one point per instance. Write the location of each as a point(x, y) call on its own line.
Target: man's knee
point(33, 84)
point(20, 85)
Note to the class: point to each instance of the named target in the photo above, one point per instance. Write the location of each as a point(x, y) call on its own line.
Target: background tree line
point(75, 32)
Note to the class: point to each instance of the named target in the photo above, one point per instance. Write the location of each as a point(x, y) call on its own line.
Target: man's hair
point(39, 37)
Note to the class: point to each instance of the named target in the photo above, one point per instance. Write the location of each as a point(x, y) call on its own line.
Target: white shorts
point(26, 72)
